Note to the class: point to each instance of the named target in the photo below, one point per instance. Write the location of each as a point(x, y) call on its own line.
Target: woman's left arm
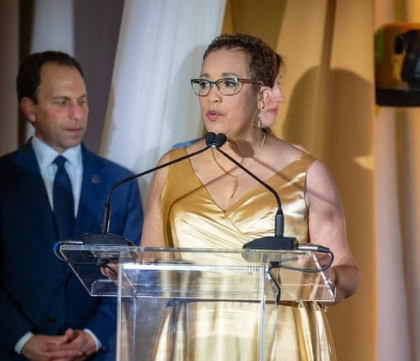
point(327, 227)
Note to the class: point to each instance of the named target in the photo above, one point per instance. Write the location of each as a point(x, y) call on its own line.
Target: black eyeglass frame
point(219, 81)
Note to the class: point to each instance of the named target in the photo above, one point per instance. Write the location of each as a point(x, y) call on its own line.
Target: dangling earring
point(260, 124)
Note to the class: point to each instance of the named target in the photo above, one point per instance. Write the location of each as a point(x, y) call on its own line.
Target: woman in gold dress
point(208, 202)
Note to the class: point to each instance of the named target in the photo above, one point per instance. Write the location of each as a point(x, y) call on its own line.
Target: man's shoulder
point(12, 159)
point(15, 167)
point(9, 157)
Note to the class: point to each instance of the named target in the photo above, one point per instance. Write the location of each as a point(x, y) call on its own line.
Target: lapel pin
point(96, 179)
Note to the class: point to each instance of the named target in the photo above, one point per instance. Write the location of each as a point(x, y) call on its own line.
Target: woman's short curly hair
point(263, 63)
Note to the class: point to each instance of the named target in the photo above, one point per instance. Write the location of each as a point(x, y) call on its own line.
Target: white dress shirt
point(45, 155)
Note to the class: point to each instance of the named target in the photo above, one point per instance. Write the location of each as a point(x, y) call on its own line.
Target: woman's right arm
point(152, 235)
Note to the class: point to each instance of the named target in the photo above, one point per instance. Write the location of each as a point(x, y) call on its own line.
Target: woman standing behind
point(207, 202)
point(269, 114)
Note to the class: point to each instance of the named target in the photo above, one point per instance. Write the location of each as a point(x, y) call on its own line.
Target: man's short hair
point(29, 76)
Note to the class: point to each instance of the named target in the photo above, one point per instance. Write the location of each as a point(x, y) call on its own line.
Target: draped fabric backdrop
point(9, 60)
point(151, 105)
point(53, 26)
point(52, 30)
point(102, 36)
point(398, 213)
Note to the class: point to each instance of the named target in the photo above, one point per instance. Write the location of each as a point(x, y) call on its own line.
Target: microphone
point(110, 238)
point(106, 238)
point(279, 241)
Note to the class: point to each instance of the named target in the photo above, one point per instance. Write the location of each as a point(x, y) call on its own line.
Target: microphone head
point(215, 141)
point(219, 140)
point(210, 138)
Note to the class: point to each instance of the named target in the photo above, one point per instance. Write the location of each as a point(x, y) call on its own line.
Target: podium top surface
point(194, 272)
point(74, 252)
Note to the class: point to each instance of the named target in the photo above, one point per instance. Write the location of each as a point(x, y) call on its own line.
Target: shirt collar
point(46, 155)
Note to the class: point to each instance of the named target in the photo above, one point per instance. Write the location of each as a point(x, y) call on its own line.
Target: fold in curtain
point(398, 217)
point(9, 50)
point(52, 30)
point(151, 105)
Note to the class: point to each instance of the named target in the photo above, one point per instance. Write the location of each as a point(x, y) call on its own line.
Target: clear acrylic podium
point(170, 301)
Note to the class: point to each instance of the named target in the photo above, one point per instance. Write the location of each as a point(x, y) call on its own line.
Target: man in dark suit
point(45, 312)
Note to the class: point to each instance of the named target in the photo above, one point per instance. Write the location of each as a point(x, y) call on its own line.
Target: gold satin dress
point(191, 219)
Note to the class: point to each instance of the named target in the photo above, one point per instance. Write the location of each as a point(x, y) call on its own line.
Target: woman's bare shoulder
point(283, 152)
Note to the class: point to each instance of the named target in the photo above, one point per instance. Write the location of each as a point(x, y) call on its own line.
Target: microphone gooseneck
point(107, 206)
point(109, 239)
point(278, 241)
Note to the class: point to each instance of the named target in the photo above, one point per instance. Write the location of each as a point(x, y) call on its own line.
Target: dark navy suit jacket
point(38, 292)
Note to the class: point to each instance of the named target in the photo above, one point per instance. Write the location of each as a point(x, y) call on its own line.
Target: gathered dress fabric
point(192, 331)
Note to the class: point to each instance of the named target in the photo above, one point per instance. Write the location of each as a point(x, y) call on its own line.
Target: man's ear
point(28, 108)
point(264, 96)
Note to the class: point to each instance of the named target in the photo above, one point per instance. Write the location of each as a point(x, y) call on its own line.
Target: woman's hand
point(109, 268)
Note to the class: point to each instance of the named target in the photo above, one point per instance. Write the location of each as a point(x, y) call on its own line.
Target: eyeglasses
point(226, 86)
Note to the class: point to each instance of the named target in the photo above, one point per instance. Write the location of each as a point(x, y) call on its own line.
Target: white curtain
point(52, 30)
point(53, 26)
point(398, 197)
point(392, 301)
point(151, 105)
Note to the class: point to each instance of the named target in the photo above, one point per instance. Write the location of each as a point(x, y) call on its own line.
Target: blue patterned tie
point(63, 200)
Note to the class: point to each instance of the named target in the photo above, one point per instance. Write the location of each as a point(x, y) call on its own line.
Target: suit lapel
point(91, 197)
point(33, 191)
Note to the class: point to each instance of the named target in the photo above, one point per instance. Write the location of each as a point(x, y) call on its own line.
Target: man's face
point(60, 116)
